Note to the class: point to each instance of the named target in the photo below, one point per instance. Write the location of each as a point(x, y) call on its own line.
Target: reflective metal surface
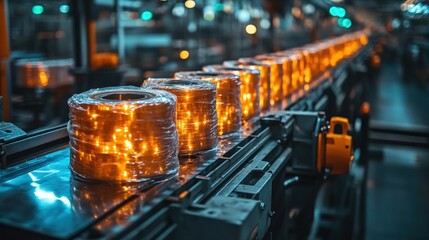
point(51, 201)
point(41, 200)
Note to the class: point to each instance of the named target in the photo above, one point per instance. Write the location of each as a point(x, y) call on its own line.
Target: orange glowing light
point(190, 4)
point(184, 54)
point(251, 29)
point(43, 78)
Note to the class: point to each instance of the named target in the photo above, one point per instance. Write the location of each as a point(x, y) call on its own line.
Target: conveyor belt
point(40, 198)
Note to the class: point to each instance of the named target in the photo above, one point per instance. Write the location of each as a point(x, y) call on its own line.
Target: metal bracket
point(8, 132)
point(280, 125)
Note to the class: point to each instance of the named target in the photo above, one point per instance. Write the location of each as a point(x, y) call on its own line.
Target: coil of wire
point(196, 113)
point(276, 79)
point(123, 134)
point(286, 71)
point(264, 83)
point(249, 88)
point(228, 104)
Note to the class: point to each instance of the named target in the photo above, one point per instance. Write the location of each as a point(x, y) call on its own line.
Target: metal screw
point(262, 205)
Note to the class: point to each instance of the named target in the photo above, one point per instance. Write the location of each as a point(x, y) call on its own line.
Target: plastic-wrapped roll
point(264, 70)
point(123, 134)
point(287, 84)
point(276, 78)
point(314, 62)
point(294, 65)
point(196, 113)
point(228, 104)
point(249, 88)
point(302, 57)
point(305, 63)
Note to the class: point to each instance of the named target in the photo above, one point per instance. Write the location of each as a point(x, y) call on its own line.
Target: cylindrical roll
point(228, 104)
point(264, 70)
point(249, 88)
point(124, 134)
point(196, 113)
point(299, 56)
point(293, 64)
point(286, 69)
point(276, 78)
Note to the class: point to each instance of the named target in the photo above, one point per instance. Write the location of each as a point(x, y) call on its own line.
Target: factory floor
point(397, 205)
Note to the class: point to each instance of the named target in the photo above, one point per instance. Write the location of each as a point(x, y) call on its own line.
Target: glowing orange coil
point(276, 78)
point(228, 104)
point(249, 88)
point(295, 70)
point(113, 135)
point(196, 113)
point(286, 70)
point(264, 84)
point(302, 57)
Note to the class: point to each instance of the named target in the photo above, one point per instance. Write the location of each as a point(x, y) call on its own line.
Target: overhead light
point(265, 23)
point(190, 3)
point(184, 54)
point(64, 8)
point(243, 15)
point(396, 23)
point(178, 10)
point(192, 27)
point(337, 11)
point(228, 8)
point(406, 23)
point(296, 12)
point(344, 22)
point(251, 29)
point(146, 15)
point(209, 13)
point(219, 7)
point(308, 8)
point(37, 9)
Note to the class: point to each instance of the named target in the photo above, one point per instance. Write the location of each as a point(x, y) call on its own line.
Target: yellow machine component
point(335, 148)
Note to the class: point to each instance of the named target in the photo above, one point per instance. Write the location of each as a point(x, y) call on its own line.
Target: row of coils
point(132, 134)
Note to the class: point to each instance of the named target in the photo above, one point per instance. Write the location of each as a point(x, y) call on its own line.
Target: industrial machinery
point(294, 173)
point(278, 180)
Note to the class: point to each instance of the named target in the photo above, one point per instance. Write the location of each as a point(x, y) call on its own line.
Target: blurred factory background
point(48, 52)
point(152, 39)
point(158, 38)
